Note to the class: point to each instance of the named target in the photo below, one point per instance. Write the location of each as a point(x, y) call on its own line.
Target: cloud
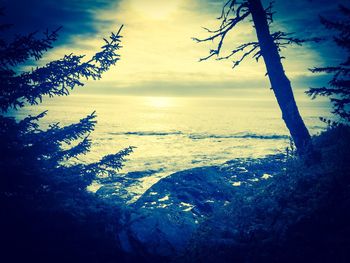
point(77, 17)
point(158, 55)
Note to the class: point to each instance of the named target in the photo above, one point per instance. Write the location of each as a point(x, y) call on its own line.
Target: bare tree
point(267, 46)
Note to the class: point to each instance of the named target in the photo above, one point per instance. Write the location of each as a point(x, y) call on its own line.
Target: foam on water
point(181, 133)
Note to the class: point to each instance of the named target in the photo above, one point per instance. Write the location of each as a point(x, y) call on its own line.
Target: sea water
point(176, 133)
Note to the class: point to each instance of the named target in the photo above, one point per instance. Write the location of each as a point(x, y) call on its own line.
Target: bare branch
point(237, 62)
point(232, 13)
point(251, 46)
point(282, 39)
point(226, 25)
point(269, 13)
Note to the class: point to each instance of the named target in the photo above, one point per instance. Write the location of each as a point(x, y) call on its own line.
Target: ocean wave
point(147, 133)
point(239, 135)
point(200, 136)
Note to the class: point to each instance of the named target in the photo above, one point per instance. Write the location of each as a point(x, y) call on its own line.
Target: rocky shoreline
point(161, 222)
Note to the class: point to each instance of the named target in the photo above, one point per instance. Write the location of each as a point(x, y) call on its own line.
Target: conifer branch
point(338, 89)
point(58, 77)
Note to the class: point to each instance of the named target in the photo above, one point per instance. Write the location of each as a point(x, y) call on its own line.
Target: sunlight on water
point(159, 102)
point(173, 134)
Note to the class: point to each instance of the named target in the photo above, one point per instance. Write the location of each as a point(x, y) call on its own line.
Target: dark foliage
point(339, 86)
point(299, 215)
point(47, 214)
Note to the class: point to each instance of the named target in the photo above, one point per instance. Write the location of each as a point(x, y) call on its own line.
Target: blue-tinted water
point(173, 134)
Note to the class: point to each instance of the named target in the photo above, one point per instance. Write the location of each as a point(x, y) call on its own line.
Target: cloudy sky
point(159, 57)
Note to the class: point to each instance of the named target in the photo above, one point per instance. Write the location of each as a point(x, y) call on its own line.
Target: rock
point(166, 215)
point(116, 189)
point(161, 222)
point(114, 194)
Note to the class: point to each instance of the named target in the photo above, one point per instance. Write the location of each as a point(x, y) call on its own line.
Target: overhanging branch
point(226, 25)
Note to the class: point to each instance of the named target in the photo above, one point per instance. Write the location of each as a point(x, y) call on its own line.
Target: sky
point(159, 56)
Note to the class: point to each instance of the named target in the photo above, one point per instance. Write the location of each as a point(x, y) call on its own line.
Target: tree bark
point(280, 84)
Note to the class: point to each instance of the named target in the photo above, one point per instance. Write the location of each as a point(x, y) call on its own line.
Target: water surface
point(176, 133)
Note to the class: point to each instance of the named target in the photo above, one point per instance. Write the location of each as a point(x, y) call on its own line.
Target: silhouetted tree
point(267, 46)
point(24, 139)
point(37, 176)
point(339, 86)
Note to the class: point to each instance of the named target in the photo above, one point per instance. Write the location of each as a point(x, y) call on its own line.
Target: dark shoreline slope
point(300, 215)
point(273, 209)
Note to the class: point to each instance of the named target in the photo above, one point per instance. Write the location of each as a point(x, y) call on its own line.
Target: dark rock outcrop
point(161, 222)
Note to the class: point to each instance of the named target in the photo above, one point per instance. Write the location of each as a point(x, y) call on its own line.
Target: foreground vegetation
point(299, 215)
point(46, 213)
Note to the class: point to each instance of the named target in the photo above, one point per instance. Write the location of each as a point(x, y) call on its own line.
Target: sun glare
point(159, 102)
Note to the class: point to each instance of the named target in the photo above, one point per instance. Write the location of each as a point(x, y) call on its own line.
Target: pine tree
point(47, 213)
point(267, 46)
point(29, 155)
point(339, 86)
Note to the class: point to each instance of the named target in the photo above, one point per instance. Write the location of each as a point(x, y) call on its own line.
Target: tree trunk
point(280, 84)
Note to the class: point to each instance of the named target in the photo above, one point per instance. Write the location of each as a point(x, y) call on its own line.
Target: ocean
point(176, 133)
